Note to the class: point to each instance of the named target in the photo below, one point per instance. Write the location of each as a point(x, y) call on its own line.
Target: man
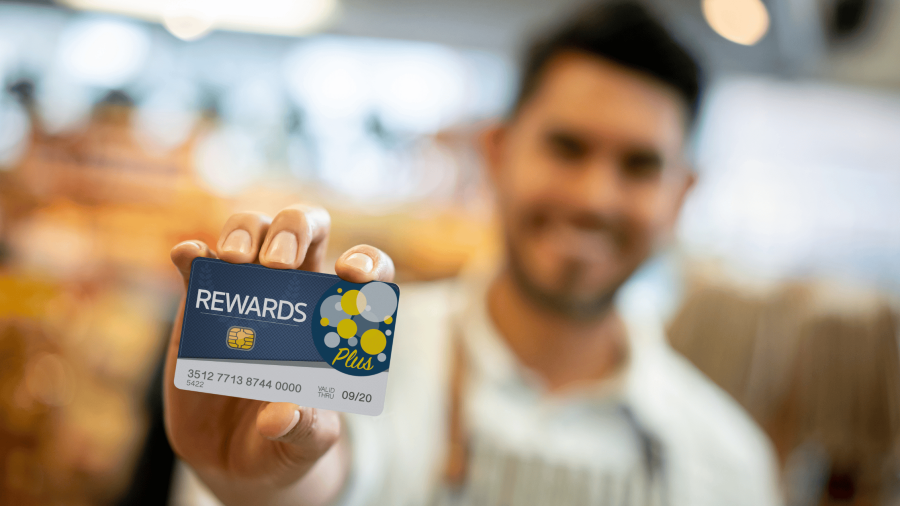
point(528, 386)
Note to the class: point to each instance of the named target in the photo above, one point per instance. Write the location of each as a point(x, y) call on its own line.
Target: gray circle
point(382, 300)
point(382, 357)
point(331, 309)
point(332, 339)
point(387, 332)
point(362, 324)
point(352, 341)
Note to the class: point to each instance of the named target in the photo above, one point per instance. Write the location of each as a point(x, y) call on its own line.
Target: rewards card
point(287, 336)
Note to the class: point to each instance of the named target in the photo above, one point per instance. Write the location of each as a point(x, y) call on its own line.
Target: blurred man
point(529, 385)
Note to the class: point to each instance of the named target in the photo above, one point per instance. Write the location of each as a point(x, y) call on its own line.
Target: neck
point(562, 350)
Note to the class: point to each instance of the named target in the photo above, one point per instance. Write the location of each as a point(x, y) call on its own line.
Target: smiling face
point(589, 178)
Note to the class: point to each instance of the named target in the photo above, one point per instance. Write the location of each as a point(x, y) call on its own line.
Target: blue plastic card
point(287, 336)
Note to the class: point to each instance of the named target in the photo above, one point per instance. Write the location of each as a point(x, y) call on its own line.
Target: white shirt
point(532, 447)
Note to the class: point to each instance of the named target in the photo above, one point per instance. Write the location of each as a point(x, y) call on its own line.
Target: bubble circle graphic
point(373, 342)
point(331, 310)
point(347, 328)
point(365, 331)
point(349, 302)
point(362, 325)
point(332, 339)
point(382, 300)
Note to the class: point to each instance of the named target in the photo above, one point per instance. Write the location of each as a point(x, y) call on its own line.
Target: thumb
point(184, 253)
point(306, 432)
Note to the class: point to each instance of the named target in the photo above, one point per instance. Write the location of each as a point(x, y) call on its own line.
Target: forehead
point(606, 100)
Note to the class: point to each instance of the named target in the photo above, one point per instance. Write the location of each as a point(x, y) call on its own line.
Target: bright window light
point(412, 87)
point(15, 130)
point(330, 78)
point(103, 52)
point(228, 159)
point(797, 178)
point(63, 104)
point(419, 87)
point(166, 118)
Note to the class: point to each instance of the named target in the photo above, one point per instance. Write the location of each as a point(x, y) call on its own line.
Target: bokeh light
point(742, 21)
point(15, 127)
point(103, 52)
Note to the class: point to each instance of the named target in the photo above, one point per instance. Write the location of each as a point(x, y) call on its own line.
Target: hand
point(254, 452)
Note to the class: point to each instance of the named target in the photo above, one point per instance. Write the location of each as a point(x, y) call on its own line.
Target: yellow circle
point(339, 290)
point(348, 302)
point(361, 302)
point(373, 341)
point(324, 322)
point(388, 320)
point(347, 328)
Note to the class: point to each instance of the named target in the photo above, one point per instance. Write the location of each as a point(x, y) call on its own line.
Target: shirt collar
point(493, 361)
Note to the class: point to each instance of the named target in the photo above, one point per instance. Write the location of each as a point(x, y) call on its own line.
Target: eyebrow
point(647, 154)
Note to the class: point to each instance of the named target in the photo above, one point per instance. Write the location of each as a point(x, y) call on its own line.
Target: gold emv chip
point(241, 338)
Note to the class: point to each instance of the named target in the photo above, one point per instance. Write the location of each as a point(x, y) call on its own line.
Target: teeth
point(573, 241)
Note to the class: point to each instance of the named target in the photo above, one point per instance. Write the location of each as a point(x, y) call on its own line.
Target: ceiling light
point(188, 22)
point(191, 19)
point(740, 21)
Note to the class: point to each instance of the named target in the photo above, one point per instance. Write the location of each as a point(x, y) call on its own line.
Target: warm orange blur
point(105, 166)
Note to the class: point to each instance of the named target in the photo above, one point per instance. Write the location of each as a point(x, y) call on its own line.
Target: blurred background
point(127, 126)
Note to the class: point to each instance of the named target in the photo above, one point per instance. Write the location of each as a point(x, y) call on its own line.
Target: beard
point(563, 300)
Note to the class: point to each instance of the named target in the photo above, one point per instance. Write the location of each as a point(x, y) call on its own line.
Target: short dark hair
point(623, 32)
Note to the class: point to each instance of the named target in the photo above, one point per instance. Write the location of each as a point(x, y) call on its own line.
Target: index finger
point(297, 239)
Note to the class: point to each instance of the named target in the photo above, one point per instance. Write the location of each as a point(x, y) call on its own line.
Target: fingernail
point(238, 242)
point(361, 261)
point(188, 243)
point(290, 425)
point(283, 249)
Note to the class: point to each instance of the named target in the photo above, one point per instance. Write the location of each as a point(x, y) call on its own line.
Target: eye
point(643, 163)
point(567, 146)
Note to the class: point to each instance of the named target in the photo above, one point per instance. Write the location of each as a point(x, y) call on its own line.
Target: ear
point(492, 139)
point(688, 180)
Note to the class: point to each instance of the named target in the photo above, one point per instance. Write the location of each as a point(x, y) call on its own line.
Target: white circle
point(331, 309)
point(332, 339)
point(352, 341)
point(382, 357)
point(387, 332)
point(382, 299)
point(368, 308)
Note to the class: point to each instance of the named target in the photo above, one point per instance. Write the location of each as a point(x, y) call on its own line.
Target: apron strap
point(456, 465)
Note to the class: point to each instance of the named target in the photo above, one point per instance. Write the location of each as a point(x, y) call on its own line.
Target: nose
point(598, 187)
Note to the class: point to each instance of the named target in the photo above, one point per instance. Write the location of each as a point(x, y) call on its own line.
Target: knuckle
point(306, 426)
point(291, 218)
point(312, 215)
point(246, 219)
